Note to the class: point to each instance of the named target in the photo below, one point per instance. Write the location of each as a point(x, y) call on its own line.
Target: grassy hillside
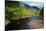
point(13, 9)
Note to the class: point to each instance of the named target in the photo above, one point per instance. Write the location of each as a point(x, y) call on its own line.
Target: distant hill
point(30, 7)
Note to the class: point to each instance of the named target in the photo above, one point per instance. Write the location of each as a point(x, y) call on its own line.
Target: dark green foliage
point(42, 12)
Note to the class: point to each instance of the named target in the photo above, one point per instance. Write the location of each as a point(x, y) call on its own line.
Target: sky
point(38, 4)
